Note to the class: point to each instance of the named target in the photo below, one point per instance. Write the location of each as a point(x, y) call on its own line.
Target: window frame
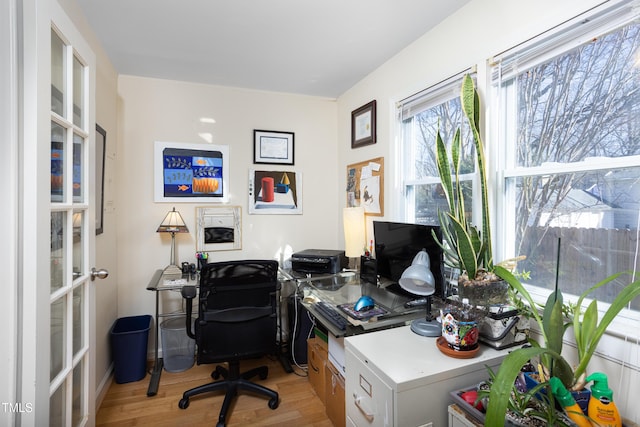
point(592, 24)
point(438, 94)
point(570, 34)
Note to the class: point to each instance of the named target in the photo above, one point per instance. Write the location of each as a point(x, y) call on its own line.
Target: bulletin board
point(365, 186)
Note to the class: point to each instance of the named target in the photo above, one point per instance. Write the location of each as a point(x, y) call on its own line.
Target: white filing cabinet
point(397, 378)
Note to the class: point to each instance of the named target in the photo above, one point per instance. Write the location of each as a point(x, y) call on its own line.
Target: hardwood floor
point(128, 404)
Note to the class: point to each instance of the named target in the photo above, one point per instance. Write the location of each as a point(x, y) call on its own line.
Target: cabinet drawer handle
point(358, 401)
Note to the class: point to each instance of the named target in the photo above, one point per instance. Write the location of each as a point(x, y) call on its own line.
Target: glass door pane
point(78, 93)
point(78, 320)
point(58, 135)
point(78, 169)
point(78, 238)
point(57, 408)
point(57, 337)
point(77, 409)
point(58, 249)
point(57, 74)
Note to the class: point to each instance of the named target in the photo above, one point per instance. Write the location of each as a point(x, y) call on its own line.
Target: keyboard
point(331, 314)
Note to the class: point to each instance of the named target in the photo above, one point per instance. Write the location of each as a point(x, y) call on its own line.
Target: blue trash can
point(129, 337)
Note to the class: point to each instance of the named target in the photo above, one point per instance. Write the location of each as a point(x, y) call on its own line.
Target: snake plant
point(466, 248)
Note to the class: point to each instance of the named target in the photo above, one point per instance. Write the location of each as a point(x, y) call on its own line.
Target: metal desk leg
point(282, 349)
point(158, 363)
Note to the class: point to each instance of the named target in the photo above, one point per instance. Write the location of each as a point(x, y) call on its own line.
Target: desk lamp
point(418, 279)
point(173, 223)
point(354, 236)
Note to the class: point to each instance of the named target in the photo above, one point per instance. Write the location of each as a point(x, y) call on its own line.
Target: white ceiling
point(320, 47)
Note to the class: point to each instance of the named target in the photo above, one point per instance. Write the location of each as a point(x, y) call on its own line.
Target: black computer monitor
point(397, 243)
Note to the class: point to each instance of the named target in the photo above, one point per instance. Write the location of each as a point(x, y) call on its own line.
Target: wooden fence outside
point(586, 258)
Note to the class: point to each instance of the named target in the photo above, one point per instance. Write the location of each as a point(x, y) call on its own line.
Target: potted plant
point(552, 325)
point(466, 247)
point(528, 407)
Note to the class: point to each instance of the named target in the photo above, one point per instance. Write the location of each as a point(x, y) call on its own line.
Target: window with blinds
point(421, 116)
point(564, 144)
point(568, 121)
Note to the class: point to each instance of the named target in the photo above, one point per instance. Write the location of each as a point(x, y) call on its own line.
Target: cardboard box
point(334, 401)
point(317, 360)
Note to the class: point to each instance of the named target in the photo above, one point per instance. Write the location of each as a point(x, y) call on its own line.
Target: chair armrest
point(189, 293)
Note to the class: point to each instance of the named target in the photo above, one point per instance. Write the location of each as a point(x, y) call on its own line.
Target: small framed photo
point(363, 125)
point(273, 147)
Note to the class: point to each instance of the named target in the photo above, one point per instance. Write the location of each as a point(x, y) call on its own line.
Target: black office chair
point(237, 320)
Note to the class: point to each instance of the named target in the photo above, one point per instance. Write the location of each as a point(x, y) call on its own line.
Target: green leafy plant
point(519, 401)
point(585, 325)
point(552, 325)
point(534, 403)
point(467, 248)
point(544, 408)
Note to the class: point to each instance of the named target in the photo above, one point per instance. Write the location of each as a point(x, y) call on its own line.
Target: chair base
point(233, 382)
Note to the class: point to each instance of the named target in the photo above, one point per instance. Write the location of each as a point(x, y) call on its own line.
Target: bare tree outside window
point(420, 131)
point(581, 107)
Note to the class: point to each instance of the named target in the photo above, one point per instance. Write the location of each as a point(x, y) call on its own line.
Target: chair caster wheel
point(215, 375)
point(263, 376)
point(183, 404)
point(273, 403)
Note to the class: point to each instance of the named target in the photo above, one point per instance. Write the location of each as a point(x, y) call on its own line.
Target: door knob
point(100, 274)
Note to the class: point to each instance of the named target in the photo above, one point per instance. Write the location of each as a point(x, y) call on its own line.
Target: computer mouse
point(364, 303)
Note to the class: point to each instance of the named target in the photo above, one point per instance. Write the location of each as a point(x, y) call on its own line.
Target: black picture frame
point(101, 151)
point(273, 147)
point(363, 125)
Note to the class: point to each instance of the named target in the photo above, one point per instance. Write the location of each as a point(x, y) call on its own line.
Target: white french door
point(58, 305)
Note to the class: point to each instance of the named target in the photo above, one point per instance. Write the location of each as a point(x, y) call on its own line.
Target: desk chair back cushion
point(237, 310)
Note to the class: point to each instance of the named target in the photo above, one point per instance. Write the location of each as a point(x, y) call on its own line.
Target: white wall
point(106, 116)
point(469, 38)
point(162, 110)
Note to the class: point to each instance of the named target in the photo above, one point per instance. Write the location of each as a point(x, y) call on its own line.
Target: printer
point(318, 261)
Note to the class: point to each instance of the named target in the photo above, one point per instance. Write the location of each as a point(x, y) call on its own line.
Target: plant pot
point(473, 412)
point(482, 292)
point(461, 335)
point(510, 419)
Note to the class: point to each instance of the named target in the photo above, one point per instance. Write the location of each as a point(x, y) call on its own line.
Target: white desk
point(397, 378)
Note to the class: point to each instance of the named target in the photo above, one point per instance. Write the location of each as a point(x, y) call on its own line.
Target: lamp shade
point(173, 223)
point(354, 235)
point(417, 278)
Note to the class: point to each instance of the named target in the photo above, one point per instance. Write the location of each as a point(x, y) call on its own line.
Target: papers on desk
point(172, 283)
point(362, 315)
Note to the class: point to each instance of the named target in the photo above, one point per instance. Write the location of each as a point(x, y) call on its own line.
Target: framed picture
point(363, 125)
point(101, 150)
point(218, 228)
point(275, 192)
point(191, 172)
point(272, 147)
